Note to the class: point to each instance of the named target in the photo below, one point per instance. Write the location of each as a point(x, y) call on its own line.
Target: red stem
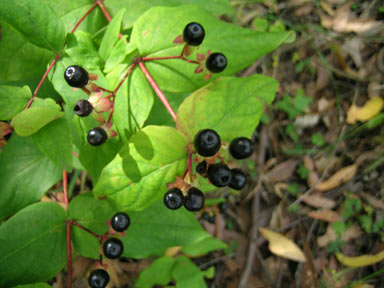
point(65, 188)
point(104, 10)
point(42, 81)
point(189, 166)
point(69, 255)
point(84, 16)
point(85, 229)
point(169, 57)
point(158, 91)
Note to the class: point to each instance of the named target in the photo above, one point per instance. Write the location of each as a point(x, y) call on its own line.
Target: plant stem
point(104, 10)
point(73, 222)
point(158, 91)
point(65, 188)
point(169, 57)
point(42, 81)
point(84, 16)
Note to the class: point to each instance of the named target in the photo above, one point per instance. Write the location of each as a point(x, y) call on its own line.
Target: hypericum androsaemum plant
point(126, 93)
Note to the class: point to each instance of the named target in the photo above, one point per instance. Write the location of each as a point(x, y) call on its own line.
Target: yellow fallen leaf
point(318, 201)
point(362, 285)
point(360, 261)
point(282, 246)
point(172, 251)
point(343, 175)
point(370, 109)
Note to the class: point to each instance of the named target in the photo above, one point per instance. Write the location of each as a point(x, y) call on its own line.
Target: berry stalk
point(104, 10)
point(73, 222)
point(158, 91)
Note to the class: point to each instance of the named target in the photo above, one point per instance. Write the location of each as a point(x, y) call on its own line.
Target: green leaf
point(155, 229)
point(133, 104)
point(36, 21)
point(118, 53)
point(36, 285)
point(366, 223)
point(111, 36)
point(13, 100)
point(20, 60)
point(92, 214)
point(187, 274)
point(231, 106)
point(71, 11)
point(55, 141)
point(204, 246)
point(137, 177)
point(216, 7)
point(82, 50)
point(26, 174)
point(33, 244)
point(37, 116)
point(317, 139)
point(155, 31)
point(158, 273)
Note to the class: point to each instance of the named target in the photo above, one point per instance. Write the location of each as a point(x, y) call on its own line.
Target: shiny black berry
point(120, 222)
point(174, 198)
point(76, 76)
point(241, 148)
point(194, 200)
point(113, 248)
point(83, 108)
point(238, 179)
point(193, 34)
point(216, 62)
point(219, 175)
point(98, 278)
point(207, 142)
point(201, 168)
point(97, 136)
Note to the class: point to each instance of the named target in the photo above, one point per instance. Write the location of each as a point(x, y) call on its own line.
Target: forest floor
point(318, 170)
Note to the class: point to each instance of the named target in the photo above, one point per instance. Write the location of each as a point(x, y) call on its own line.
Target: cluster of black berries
point(207, 143)
point(194, 201)
point(112, 248)
point(193, 35)
point(78, 77)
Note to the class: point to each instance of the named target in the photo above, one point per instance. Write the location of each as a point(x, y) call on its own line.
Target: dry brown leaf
point(282, 246)
point(370, 109)
point(318, 201)
point(343, 175)
point(351, 233)
point(325, 215)
point(281, 172)
point(373, 201)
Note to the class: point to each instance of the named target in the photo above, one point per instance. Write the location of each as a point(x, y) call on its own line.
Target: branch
point(84, 16)
point(158, 91)
point(169, 57)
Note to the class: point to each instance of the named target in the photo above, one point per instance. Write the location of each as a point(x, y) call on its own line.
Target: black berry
point(83, 108)
point(194, 200)
point(205, 216)
point(241, 148)
point(76, 76)
point(120, 222)
point(201, 168)
point(97, 136)
point(98, 278)
point(207, 142)
point(219, 175)
point(113, 248)
point(174, 198)
point(238, 179)
point(216, 62)
point(193, 34)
